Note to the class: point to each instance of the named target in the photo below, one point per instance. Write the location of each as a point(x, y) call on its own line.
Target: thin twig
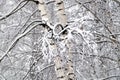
point(31, 24)
point(3, 76)
point(96, 17)
point(17, 39)
point(16, 9)
point(104, 57)
point(39, 71)
point(112, 39)
point(117, 1)
point(32, 67)
point(81, 74)
point(26, 23)
point(108, 78)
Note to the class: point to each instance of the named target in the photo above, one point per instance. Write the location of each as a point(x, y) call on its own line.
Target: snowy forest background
point(93, 30)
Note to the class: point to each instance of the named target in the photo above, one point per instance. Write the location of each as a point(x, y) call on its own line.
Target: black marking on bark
point(64, 14)
point(70, 73)
point(37, 2)
point(66, 69)
point(59, 68)
point(59, 3)
point(72, 66)
point(60, 9)
point(70, 61)
point(61, 60)
point(60, 77)
point(70, 79)
point(65, 32)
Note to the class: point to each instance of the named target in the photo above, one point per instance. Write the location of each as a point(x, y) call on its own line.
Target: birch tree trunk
point(69, 68)
point(58, 60)
point(59, 68)
point(42, 8)
point(69, 73)
point(61, 12)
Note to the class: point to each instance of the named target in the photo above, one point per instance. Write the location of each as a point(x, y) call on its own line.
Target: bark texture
point(43, 9)
point(59, 68)
point(61, 12)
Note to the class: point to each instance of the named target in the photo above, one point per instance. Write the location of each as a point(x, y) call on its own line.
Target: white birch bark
point(69, 69)
point(59, 68)
point(58, 60)
point(42, 8)
point(61, 12)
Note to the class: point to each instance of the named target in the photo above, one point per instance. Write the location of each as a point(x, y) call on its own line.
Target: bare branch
point(51, 65)
point(19, 37)
point(32, 66)
point(96, 17)
point(111, 69)
point(16, 9)
point(3, 77)
point(103, 41)
point(111, 77)
point(26, 23)
point(97, 56)
point(112, 39)
point(117, 1)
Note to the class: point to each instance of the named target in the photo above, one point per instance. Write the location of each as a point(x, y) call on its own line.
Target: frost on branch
point(55, 44)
